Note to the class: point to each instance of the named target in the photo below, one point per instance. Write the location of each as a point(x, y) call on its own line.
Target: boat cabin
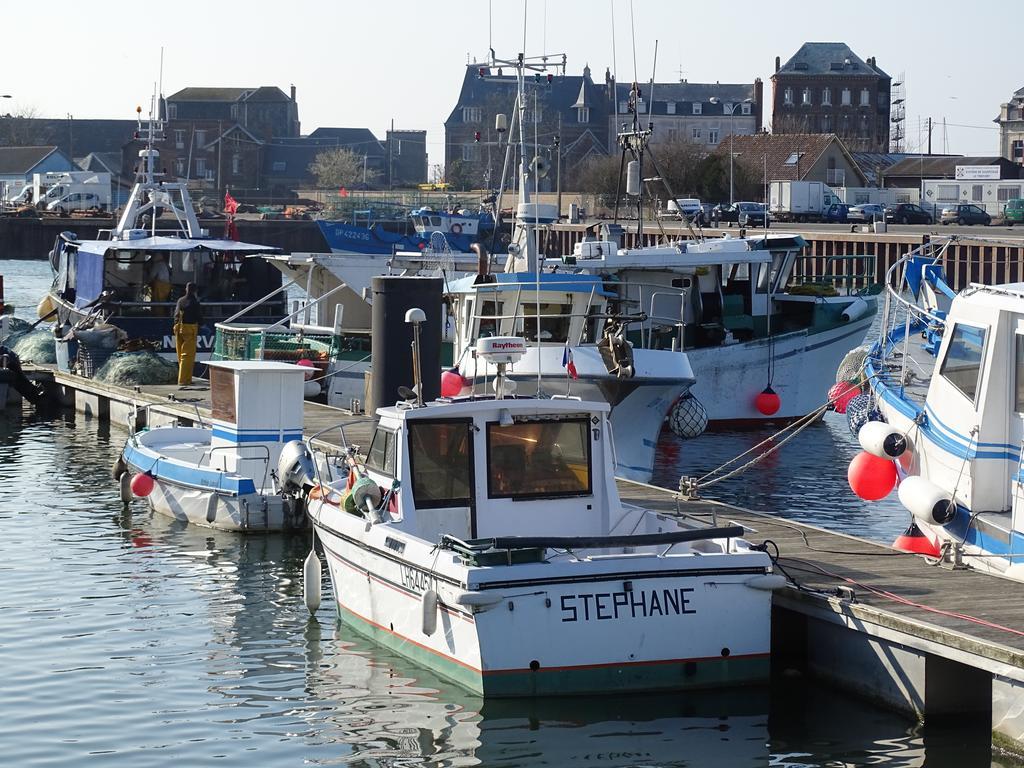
point(481, 467)
point(462, 222)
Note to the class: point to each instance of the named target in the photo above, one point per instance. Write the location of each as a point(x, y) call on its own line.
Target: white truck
point(45, 189)
point(801, 201)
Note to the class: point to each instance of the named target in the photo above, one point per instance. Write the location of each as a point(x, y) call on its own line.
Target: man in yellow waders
point(187, 317)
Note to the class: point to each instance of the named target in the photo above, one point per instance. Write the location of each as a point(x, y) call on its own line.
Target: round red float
point(306, 363)
point(841, 394)
point(451, 383)
point(870, 477)
point(767, 402)
point(914, 540)
point(142, 484)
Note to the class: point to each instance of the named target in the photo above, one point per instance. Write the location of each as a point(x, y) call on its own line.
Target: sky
point(364, 64)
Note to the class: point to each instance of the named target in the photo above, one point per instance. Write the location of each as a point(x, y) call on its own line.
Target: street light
point(732, 111)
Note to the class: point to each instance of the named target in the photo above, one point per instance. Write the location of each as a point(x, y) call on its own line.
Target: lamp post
point(732, 112)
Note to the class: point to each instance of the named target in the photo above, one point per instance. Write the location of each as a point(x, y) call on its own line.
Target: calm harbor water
point(130, 639)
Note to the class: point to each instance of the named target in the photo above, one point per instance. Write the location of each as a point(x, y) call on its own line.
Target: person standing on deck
point(188, 314)
point(159, 281)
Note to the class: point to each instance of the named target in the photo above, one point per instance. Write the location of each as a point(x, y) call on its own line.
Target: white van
point(75, 201)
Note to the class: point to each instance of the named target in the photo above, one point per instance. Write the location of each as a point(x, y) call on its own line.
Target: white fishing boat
point(221, 475)
point(484, 537)
point(945, 398)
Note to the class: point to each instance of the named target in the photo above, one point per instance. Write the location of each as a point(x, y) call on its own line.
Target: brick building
point(1011, 128)
point(826, 88)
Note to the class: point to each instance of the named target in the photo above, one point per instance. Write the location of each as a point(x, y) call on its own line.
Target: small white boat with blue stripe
point(946, 417)
point(222, 475)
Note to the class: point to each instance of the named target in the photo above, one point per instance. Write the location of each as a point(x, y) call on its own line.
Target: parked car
point(1013, 213)
point(836, 213)
point(965, 213)
point(868, 212)
point(75, 201)
point(745, 214)
point(907, 213)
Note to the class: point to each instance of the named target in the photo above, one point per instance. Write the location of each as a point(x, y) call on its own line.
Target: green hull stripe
point(677, 675)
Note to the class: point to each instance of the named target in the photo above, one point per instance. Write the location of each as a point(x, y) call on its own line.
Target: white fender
point(857, 308)
point(479, 601)
point(767, 581)
point(881, 440)
point(926, 501)
point(311, 578)
point(311, 389)
point(429, 602)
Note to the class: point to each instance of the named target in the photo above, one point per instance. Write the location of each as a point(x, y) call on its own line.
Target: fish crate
point(91, 359)
point(283, 344)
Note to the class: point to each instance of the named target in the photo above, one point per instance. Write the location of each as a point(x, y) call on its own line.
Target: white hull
point(670, 630)
point(729, 378)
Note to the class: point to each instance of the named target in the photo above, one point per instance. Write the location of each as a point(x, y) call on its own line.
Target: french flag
point(567, 363)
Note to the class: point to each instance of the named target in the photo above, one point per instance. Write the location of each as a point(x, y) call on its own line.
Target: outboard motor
point(12, 374)
point(295, 471)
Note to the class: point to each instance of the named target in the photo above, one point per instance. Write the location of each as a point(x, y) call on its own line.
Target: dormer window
point(794, 158)
point(745, 108)
point(697, 108)
point(670, 107)
point(583, 114)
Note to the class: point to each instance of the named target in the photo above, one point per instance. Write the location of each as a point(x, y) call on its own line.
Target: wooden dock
point(924, 638)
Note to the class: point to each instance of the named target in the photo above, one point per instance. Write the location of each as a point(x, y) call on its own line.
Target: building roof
point(692, 92)
point(359, 140)
point(934, 167)
point(783, 155)
point(267, 93)
point(21, 160)
point(101, 162)
point(873, 164)
point(209, 94)
point(820, 59)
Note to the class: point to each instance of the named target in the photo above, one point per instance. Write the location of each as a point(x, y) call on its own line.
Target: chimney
point(293, 92)
point(778, 63)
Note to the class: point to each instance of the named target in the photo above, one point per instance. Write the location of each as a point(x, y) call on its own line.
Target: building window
point(172, 111)
point(1017, 150)
point(200, 167)
point(695, 133)
point(583, 114)
point(641, 106)
point(200, 138)
point(712, 136)
point(530, 117)
point(471, 114)
point(883, 98)
point(670, 107)
point(865, 97)
point(977, 192)
point(234, 111)
point(623, 107)
point(1003, 194)
point(470, 153)
point(794, 158)
point(179, 138)
point(787, 97)
point(826, 124)
point(805, 99)
point(826, 97)
point(846, 97)
point(697, 108)
point(745, 108)
point(179, 166)
point(236, 163)
point(947, 192)
point(279, 166)
point(728, 107)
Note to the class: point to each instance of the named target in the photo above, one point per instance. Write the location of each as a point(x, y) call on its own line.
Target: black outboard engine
point(12, 374)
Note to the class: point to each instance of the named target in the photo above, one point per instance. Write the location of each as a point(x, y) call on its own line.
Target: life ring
point(456, 229)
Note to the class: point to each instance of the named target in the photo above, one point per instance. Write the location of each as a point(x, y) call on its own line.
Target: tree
point(22, 129)
point(340, 168)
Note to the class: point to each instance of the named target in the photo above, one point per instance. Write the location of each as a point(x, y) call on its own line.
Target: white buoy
point(633, 178)
point(926, 501)
point(311, 581)
point(429, 601)
point(881, 440)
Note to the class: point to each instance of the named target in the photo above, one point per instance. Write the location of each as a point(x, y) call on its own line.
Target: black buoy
point(391, 340)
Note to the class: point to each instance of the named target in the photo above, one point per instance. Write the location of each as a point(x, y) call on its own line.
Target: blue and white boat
point(222, 475)
point(111, 278)
point(454, 230)
point(947, 382)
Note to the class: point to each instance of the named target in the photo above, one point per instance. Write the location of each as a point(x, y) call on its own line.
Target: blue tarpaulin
point(89, 278)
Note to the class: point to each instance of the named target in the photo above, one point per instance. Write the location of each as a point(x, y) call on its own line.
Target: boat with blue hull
point(131, 276)
point(944, 421)
point(453, 230)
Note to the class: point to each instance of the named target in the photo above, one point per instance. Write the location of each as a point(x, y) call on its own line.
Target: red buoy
point(307, 363)
point(914, 540)
point(767, 402)
point(142, 484)
point(841, 393)
point(451, 383)
point(870, 477)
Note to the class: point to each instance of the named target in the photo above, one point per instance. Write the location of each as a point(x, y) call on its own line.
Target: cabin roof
point(256, 365)
point(468, 407)
point(507, 281)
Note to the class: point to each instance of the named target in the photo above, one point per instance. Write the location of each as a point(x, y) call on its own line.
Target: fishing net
point(15, 327)
point(859, 411)
point(129, 369)
point(852, 366)
point(34, 346)
point(688, 418)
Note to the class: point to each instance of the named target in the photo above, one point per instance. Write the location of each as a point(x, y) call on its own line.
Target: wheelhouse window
point(441, 459)
point(381, 456)
point(539, 459)
point(554, 321)
point(964, 356)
